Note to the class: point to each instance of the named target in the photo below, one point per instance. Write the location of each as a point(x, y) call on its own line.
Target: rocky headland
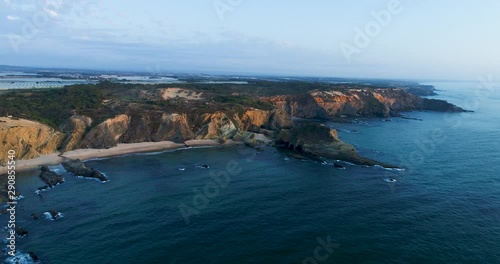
point(341, 105)
point(254, 120)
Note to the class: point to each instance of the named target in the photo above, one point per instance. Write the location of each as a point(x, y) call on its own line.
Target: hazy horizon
point(387, 39)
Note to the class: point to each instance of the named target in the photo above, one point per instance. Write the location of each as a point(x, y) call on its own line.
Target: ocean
point(263, 207)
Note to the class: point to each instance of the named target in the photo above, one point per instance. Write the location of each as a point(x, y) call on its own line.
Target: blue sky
point(423, 40)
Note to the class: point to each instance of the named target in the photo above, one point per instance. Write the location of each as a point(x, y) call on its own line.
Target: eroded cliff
point(74, 129)
point(371, 102)
point(179, 119)
point(147, 126)
point(27, 138)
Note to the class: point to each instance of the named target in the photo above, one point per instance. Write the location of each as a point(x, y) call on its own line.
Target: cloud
point(50, 12)
point(18, 5)
point(13, 18)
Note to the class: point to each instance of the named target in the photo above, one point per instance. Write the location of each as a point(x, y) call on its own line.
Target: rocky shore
point(78, 168)
point(318, 141)
point(81, 137)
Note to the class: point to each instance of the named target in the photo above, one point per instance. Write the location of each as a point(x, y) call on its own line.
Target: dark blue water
point(444, 208)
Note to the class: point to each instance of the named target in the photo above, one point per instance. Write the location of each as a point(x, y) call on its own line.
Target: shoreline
point(119, 150)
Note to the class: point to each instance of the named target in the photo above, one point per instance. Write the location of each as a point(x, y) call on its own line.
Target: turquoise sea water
point(444, 208)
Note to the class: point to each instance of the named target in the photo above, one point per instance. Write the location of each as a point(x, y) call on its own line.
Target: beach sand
point(120, 149)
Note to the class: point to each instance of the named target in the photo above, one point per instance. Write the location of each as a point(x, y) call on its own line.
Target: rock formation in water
point(50, 178)
point(78, 168)
point(319, 141)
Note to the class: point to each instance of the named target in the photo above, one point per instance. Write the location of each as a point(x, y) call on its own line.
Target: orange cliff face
point(348, 103)
point(27, 138)
point(154, 126)
point(31, 139)
point(135, 125)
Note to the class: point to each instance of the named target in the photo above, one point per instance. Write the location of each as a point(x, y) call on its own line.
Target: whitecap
point(389, 169)
point(346, 162)
point(17, 198)
point(157, 152)
point(48, 216)
point(37, 192)
point(103, 158)
point(95, 179)
point(394, 169)
point(57, 169)
point(390, 180)
point(20, 258)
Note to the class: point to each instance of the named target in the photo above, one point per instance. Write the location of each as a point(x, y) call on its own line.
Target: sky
point(404, 39)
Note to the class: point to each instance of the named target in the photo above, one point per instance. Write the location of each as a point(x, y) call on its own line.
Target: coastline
point(120, 149)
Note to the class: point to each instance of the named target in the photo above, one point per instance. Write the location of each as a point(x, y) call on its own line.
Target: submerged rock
point(338, 165)
point(35, 216)
point(34, 257)
point(54, 214)
point(21, 232)
point(78, 168)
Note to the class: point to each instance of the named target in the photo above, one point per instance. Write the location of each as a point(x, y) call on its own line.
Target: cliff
point(182, 118)
point(370, 102)
point(147, 126)
point(106, 134)
point(74, 128)
point(29, 139)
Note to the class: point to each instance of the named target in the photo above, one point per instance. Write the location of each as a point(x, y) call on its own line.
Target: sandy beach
point(120, 149)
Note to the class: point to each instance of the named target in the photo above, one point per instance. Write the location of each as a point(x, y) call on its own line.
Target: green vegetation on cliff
point(51, 107)
point(108, 99)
